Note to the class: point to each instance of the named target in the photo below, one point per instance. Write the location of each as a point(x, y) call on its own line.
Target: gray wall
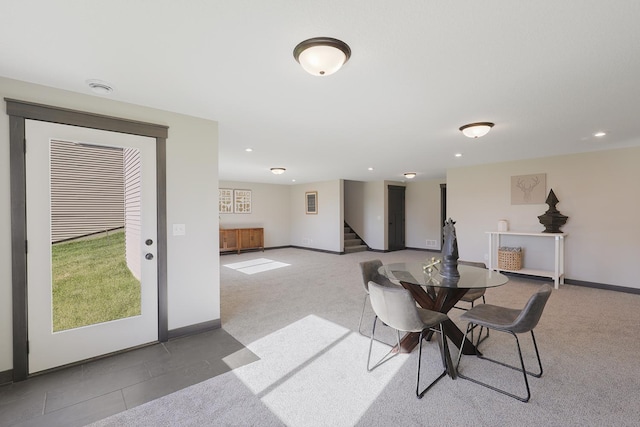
point(323, 230)
point(597, 190)
point(423, 214)
point(269, 210)
point(192, 176)
point(280, 210)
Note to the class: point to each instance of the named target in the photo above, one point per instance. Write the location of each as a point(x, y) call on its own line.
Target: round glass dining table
point(417, 273)
point(434, 292)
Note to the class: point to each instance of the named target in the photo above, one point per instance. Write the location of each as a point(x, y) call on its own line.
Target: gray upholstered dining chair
point(512, 321)
point(370, 273)
point(396, 308)
point(473, 295)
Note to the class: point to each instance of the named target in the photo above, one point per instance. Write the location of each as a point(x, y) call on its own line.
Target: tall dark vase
point(552, 219)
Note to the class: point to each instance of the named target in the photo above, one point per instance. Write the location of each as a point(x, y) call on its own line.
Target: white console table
point(557, 274)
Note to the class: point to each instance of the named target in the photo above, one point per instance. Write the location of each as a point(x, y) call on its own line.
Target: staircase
point(352, 242)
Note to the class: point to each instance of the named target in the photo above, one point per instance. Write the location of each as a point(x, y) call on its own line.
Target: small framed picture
point(225, 200)
point(242, 201)
point(528, 189)
point(311, 202)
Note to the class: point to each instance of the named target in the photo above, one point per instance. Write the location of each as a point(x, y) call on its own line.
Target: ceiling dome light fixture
point(410, 175)
point(322, 56)
point(99, 87)
point(278, 171)
point(476, 130)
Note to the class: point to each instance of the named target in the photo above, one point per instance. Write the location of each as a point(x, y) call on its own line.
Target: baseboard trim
point(582, 283)
point(6, 377)
point(437, 251)
point(195, 329)
point(317, 250)
point(604, 286)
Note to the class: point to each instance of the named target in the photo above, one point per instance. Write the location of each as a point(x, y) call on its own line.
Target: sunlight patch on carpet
point(309, 369)
point(256, 265)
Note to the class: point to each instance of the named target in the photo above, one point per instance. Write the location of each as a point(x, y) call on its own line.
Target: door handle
point(149, 256)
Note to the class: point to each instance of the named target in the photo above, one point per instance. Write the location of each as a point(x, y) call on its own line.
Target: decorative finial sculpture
point(450, 251)
point(552, 219)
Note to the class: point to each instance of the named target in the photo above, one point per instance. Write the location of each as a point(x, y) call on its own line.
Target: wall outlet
point(432, 243)
point(486, 257)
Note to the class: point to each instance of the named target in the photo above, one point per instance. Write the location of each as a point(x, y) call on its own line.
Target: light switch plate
point(179, 229)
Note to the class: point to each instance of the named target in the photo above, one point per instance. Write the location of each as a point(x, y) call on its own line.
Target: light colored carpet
point(256, 265)
point(302, 322)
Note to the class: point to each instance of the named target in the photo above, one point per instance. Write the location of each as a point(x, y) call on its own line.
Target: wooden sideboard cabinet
point(237, 239)
point(229, 240)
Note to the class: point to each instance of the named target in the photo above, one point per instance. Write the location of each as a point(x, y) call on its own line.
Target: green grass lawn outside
point(92, 283)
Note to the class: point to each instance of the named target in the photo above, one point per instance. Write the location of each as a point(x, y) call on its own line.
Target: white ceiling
point(548, 73)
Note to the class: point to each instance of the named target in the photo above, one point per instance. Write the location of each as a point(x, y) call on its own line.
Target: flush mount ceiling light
point(278, 171)
point(410, 175)
point(322, 56)
point(99, 87)
point(476, 130)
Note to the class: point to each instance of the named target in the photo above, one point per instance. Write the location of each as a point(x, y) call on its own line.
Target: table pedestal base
point(442, 300)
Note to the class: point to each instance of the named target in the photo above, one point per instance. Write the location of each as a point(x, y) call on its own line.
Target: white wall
point(270, 209)
point(597, 191)
point(325, 229)
point(423, 214)
point(192, 180)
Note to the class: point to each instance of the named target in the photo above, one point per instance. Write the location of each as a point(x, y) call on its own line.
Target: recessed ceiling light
point(410, 175)
point(293, 180)
point(100, 87)
point(248, 150)
point(370, 169)
point(278, 171)
point(599, 134)
point(458, 154)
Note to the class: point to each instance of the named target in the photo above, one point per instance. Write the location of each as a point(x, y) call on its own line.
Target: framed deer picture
point(528, 189)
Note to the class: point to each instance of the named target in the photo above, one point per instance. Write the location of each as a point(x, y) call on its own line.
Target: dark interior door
point(443, 210)
point(396, 218)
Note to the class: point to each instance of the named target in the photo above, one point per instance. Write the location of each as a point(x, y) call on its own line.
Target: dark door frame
point(18, 112)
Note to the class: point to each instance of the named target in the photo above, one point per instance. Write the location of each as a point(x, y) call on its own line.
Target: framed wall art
point(225, 200)
point(311, 202)
point(242, 201)
point(528, 189)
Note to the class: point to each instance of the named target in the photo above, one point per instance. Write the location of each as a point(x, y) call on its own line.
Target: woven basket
point(510, 259)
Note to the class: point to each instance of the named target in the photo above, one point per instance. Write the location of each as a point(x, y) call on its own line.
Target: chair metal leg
point(520, 369)
point(480, 339)
point(390, 355)
point(443, 348)
point(364, 304)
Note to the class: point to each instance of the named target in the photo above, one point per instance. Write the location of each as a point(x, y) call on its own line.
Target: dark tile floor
point(82, 394)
